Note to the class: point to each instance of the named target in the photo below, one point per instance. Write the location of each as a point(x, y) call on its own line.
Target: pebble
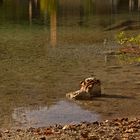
point(0, 135)
point(42, 138)
point(137, 83)
point(131, 130)
point(116, 138)
point(65, 127)
point(84, 134)
point(93, 137)
point(117, 129)
point(6, 131)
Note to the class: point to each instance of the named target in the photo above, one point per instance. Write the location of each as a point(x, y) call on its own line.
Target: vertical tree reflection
point(30, 12)
point(131, 5)
point(1, 2)
point(139, 5)
point(53, 28)
point(50, 7)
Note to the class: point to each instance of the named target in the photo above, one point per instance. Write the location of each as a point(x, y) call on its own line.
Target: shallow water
point(46, 53)
point(63, 112)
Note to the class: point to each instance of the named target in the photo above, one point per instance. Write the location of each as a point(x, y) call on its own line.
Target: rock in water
point(90, 88)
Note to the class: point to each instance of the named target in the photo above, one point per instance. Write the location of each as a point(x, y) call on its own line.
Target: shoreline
point(115, 129)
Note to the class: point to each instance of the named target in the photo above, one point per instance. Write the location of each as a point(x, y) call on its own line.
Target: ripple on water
point(61, 113)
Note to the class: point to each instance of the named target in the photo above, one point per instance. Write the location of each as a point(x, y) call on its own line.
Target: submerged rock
point(90, 88)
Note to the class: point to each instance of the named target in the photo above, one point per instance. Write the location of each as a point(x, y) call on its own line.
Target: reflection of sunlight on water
point(63, 112)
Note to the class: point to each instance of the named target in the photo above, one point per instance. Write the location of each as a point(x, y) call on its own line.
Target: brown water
point(48, 46)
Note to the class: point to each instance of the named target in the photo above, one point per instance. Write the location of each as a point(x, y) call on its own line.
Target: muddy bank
point(116, 129)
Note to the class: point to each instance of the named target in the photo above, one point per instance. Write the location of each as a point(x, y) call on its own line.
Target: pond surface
point(47, 47)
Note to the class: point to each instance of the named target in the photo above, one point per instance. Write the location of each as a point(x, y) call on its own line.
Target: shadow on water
point(117, 96)
point(106, 96)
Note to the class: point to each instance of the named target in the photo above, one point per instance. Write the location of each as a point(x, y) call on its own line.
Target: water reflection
point(61, 113)
point(53, 28)
point(30, 12)
point(64, 8)
point(54, 14)
point(134, 4)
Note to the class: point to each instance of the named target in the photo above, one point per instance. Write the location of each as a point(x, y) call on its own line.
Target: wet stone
point(0, 134)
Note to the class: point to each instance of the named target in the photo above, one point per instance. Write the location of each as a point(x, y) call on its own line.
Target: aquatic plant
point(130, 50)
point(125, 40)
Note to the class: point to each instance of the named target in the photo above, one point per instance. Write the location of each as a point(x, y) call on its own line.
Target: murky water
point(48, 46)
